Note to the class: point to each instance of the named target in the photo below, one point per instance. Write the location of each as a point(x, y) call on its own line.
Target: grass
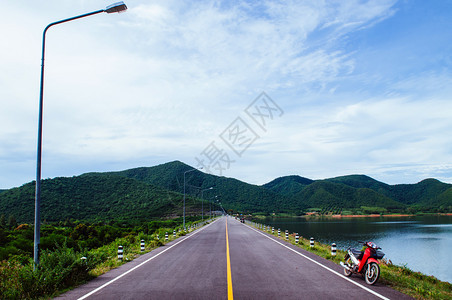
point(401, 278)
point(65, 268)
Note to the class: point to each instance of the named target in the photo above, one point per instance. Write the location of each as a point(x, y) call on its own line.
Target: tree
point(12, 222)
point(2, 221)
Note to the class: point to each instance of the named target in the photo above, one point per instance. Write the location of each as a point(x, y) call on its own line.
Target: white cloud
point(375, 137)
point(164, 79)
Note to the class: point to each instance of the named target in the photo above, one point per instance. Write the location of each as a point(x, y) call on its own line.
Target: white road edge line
point(146, 261)
point(323, 266)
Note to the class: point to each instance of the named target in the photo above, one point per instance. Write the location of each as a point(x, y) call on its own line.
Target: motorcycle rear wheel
point(372, 273)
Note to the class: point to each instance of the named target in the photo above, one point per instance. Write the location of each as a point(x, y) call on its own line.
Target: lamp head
point(117, 7)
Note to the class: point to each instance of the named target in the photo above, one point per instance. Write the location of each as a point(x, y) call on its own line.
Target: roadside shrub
point(10, 287)
point(58, 269)
point(63, 267)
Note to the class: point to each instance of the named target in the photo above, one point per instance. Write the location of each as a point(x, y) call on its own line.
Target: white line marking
point(149, 259)
point(323, 266)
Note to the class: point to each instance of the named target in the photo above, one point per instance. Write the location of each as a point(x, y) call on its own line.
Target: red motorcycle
point(363, 262)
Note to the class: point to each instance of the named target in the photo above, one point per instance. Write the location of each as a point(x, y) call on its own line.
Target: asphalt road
point(226, 260)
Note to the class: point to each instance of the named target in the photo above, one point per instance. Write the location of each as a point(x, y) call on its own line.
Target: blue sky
point(356, 87)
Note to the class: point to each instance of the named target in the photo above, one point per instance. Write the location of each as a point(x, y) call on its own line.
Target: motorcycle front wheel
point(348, 262)
point(372, 273)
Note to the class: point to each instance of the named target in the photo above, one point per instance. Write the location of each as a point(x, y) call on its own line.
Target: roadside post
point(333, 249)
point(120, 253)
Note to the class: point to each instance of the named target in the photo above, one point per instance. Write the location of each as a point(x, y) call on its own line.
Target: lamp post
point(210, 205)
point(184, 189)
point(202, 202)
point(116, 7)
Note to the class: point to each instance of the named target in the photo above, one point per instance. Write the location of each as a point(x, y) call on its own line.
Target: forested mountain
point(288, 185)
point(233, 193)
point(151, 192)
point(361, 190)
point(92, 197)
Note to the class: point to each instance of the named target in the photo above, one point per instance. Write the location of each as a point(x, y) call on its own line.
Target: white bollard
point(273, 230)
point(120, 253)
point(166, 236)
point(287, 234)
point(142, 245)
point(174, 233)
point(312, 242)
point(297, 238)
point(158, 238)
point(333, 249)
point(279, 231)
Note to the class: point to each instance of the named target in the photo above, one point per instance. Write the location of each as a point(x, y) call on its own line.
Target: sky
point(253, 90)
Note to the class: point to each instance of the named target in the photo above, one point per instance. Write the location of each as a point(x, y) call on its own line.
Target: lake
point(422, 243)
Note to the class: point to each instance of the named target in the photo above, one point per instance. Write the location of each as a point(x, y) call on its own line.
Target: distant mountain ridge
point(426, 193)
point(150, 192)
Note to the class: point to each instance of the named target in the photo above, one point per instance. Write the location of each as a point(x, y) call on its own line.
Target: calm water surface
point(421, 243)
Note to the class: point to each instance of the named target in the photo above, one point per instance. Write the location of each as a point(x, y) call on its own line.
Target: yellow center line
point(228, 259)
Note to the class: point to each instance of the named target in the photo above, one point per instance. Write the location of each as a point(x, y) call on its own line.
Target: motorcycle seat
point(357, 253)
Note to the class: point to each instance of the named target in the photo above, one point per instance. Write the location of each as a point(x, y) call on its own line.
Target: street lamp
point(113, 8)
point(202, 202)
point(184, 189)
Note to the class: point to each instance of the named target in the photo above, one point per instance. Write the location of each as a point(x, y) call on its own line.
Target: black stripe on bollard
point(312, 242)
point(333, 249)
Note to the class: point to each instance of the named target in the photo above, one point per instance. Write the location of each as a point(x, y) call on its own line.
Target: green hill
point(288, 185)
point(353, 191)
point(444, 199)
point(91, 197)
point(361, 181)
point(152, 192)
point(325, 193)
point(424, 193)
point(294, 193)
point(137, 194)
point(232, 193)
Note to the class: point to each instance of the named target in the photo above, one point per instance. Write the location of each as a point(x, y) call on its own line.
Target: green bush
point(10, 286)
point(58, 269)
